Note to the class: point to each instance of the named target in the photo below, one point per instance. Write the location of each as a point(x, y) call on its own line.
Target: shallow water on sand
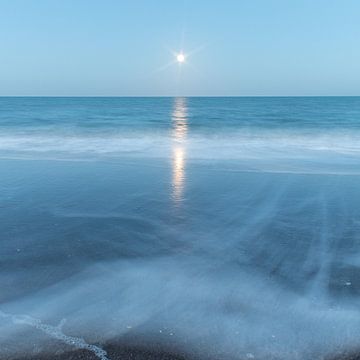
point(226, 228)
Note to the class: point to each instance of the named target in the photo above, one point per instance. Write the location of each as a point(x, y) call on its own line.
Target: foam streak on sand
point(56, 333)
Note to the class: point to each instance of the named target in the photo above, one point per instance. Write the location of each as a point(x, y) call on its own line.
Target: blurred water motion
point(227, 227)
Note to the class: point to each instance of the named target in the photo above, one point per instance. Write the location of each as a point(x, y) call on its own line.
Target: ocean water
point(217, 227)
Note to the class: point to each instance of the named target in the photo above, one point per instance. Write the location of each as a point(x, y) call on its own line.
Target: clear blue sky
point(243, 47)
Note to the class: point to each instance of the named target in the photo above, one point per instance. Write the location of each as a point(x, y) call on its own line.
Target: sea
point(212, 228)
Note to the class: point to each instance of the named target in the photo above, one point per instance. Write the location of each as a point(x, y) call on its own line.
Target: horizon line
point(170, 96)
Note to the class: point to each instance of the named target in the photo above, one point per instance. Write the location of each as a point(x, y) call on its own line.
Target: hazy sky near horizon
point(124, 47)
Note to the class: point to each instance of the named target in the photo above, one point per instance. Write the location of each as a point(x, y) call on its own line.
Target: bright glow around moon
point(180, 58)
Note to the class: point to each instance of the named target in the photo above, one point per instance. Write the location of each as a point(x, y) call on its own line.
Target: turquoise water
point(226, 227)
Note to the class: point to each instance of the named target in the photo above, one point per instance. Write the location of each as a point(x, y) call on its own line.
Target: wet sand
point(123, 352)
point(114, 353)
point(135, 347)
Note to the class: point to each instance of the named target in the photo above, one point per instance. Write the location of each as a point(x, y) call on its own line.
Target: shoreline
point(126, 349)
point(114, 351)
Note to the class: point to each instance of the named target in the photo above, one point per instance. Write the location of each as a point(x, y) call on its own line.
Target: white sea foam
point(258, 151)
point(56, 332)
point(222, 314)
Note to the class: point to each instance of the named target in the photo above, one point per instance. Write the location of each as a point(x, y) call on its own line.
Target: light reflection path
point(179, 134)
